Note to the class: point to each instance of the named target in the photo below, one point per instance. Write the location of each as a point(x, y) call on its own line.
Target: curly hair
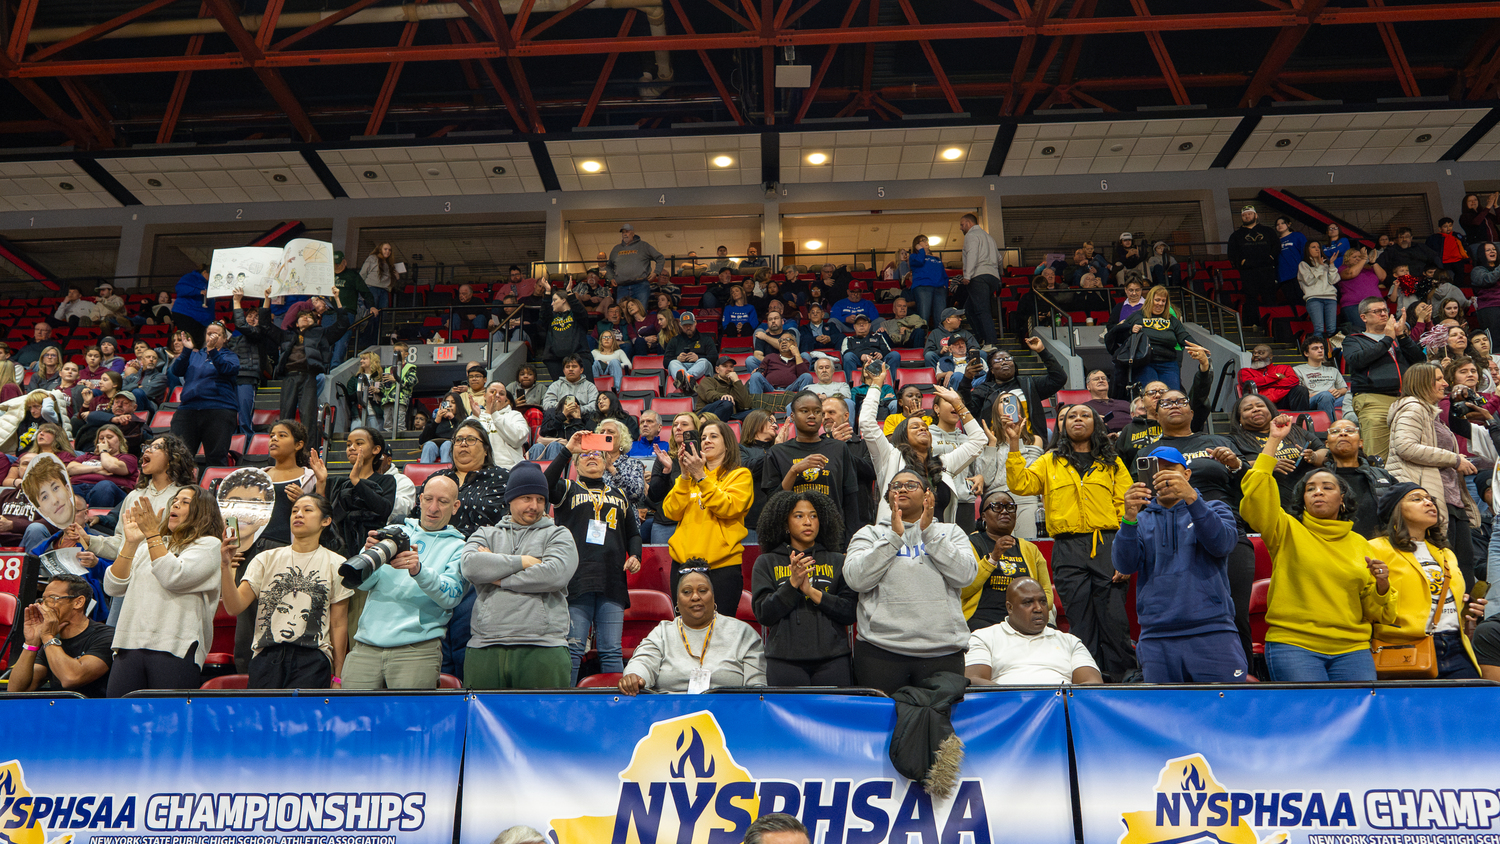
point(298, 432)
point(293, 581)
point(1298, 505)
point(181, 470)
point(772, 526)
point(1099, 443)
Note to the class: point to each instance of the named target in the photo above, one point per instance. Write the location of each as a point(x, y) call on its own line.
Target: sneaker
point(681, 380)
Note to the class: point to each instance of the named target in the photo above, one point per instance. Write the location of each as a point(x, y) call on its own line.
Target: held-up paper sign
point(303, 268)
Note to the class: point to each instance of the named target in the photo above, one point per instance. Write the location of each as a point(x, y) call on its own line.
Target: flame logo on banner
point(1184, 789)
point(13, 824)
point(686, 752)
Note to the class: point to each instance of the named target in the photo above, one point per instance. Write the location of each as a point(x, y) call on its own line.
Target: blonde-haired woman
point(1425, 452)
point(1166, 333)
point(364, 392)
point(664, 474)
point(609, 360)
point(46, 374)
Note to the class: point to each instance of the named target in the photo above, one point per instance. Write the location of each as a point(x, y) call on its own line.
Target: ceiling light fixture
point(814, 244)
point(953, 153)
point(1048, 150)
point(1284, 142)
point(280, 177)
point(1423, 138)
point(498, 170)
point(591, 166)
point(155, 183)
point(65, 185)
point(817, 158)
point(934, 240)
point(723, 161)
point(370, 174)
point(1184, 146)
point(1117, 148)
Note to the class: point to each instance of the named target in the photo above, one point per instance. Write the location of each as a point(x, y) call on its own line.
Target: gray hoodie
point(530, 605)
point(632, 261)
point(910, 587)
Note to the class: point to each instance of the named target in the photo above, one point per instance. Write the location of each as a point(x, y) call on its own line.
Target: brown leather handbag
point(1411, 660)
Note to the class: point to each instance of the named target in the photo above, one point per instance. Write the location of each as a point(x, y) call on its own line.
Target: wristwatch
point(53, 641)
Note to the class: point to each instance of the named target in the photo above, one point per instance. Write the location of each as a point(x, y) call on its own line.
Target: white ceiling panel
point(449, 170)
point(1117, 146)
point(49, 186)
point(630, 163)
point(211, 179)
point(886, 154)
point(1486, 149)
point(1373, 137)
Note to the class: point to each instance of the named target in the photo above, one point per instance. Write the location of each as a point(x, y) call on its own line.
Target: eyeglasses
point(1155, 392)
point(1166, 403)
point(155, 447)
point(467, 441)
point(59, 598)
point(1000, 507)
point(905, 486)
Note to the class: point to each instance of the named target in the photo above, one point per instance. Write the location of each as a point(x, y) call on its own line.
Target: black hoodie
point(1033, 389)
point(796, 628)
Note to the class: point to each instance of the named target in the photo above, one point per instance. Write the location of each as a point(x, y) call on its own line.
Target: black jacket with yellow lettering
point(577, 505)
point(796, 628)
point(1167, 334)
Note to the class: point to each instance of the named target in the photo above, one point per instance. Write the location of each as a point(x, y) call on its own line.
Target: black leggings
point(1241, 584)
point(290, 667)
point(139, 668)
point(803, 672)
point(1461, 541)
point(211, 428)
point(881, 669)
point(728, 583)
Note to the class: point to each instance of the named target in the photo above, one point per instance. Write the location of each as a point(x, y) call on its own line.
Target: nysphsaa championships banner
point(697, 769)
point(218, 770)
point(1381, 765)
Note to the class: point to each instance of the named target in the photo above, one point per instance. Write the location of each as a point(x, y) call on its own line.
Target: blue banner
point(697, 769)
point(1381, 765)
point(223, 770)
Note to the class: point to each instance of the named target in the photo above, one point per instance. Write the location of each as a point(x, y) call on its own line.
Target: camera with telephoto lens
point(388, 543)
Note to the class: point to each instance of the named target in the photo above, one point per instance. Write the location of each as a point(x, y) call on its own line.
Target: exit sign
point(444, 354)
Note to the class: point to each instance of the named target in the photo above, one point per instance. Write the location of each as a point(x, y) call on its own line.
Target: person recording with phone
point(1177, 542)
point(809, 462)
point(980, 388)
point(398, 640)
point(708, 502)
point(863, 349)
point(604, 529)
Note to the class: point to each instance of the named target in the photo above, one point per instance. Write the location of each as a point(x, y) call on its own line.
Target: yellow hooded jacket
point(1075, 504)
point(710, 516)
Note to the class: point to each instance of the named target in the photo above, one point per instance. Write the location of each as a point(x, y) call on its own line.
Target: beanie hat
point(1392, 499)
point(525, 479)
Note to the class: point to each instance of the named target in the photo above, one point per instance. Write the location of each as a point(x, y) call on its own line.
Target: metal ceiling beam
point(96, 31)
point(21, 28)
point(268, 20)
point(732, 15)
point(609, 68)
point(1479, 69)
point(556, 18)
point(1397, 55)
point(932, 59)
point(99, 124)
point(1163, 58)
point(1281, 50)
point(392, 77)
point(817, 81)
point(488, 68)
point(708, 65)
point(180, 88)
point(321, 25)
point(269, 76)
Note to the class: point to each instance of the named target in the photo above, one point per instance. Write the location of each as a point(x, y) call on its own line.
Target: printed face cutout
point(47, 487)
point(247, 497)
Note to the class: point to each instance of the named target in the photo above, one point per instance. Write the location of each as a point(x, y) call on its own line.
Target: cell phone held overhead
point(597, 442)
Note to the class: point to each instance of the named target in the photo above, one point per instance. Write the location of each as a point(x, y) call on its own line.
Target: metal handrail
point(1215, 309)
point(1213, 403)
point(1056, 309)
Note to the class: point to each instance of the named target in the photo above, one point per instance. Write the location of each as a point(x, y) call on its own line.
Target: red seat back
point(647, 609)
point(669, 407)
point(600, 681)
point(228, 681)
point(656, 570)
point(420, 472)
point(448, 681)
point(1259, 593)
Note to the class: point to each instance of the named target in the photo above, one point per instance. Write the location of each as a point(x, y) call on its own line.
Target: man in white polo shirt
point(1022, 650)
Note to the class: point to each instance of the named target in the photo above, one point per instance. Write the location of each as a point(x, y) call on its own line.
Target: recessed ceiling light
point(65, 185)
point(498, 170)
point(814, 244)
point(1423, 138)
point(953, 153)
point(1117, 148)
point(1184, 146)
point(279, 177)
point(817, 158)
point(433, 171)
point(591, 166)
point(1284, 142)
point(934, 240)
point(370, 174)
point(155, 183)
point(723, 161)
point(1048, 150)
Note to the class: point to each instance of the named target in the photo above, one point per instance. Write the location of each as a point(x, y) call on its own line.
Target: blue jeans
point(724, 409)
point(709, 300)
point(35, 534)
point(371, 420)
point(1350, 313)
point(611, 369)
point(1168, 372)
point(101, 494)
point(370, 334)
point(637, 290)
point(1324, 316)
point(480, 321)
point(607, 619)
point(660, 534)
point(930, 304)
point(1291, 664)
point(852, 362)
point(758, 384)
point(432, 452)
point(545, 452)
point(1325, 402)
point(700, 369)
point(246, 395)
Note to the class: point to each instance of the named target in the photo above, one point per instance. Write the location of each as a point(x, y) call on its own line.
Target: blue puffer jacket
point(208, 379)
point(927, 270)
point(1182, 555)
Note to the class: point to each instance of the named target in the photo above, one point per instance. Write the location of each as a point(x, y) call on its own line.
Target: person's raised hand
point(1003, 544)
point(1226, 455)
point(876, 381)
point(631, 684)
point(575, 443)
point(798, 576)
point(1136, 499)
point(664, 458)
point(51, 625)
point(951, 397)
point(1381, 572)
point(929, 502)
point(1013, 433)
point(897, 525)
point(1197, 353)
point(31, 625)
point(1035, 343)
point(1424, 312)
point(693, 464)
point(843, 432)
point(316, 464)
point(1177, 486)
point(1280, 427)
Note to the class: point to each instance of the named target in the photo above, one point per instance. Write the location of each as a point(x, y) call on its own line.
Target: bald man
point(1022, 650)
point(398, 637)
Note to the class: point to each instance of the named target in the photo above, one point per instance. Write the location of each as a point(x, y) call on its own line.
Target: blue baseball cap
point(1168, 454)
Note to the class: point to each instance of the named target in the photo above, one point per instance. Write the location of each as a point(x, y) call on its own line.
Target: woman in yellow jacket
point(1326, 586)
point(709, 503)
point(1082, 484)
point(1416, 545)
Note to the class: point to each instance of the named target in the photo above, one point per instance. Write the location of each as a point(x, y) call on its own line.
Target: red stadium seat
point(1262, 557)
point(633, 407)
point(747, 563)
point(918, 377)
point(740, 358)
point(7, 617)
point(669, 407)
point(641, 383)
point(258, 449)
point(214, 474)
point(448, 681)
point(229, 681)
point(600, 681)
point(745, 613)
point(1073, 396)
point(656, 570)
point(912, 354)
point(1258, 604)
point(161, 423)
point(648, 363)
point(420, 472)
point(263, 418)
point(223, 642)
point(1319, 420)
point(647, 609)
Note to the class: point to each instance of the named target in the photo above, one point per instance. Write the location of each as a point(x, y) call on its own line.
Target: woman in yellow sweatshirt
point(1326, 585)
point(709, 503)
point(1416, 545)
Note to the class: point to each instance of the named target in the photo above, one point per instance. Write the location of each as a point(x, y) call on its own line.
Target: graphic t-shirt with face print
point(297, 592)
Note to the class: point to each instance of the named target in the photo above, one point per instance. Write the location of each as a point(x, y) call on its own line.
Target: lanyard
point(689, 648)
